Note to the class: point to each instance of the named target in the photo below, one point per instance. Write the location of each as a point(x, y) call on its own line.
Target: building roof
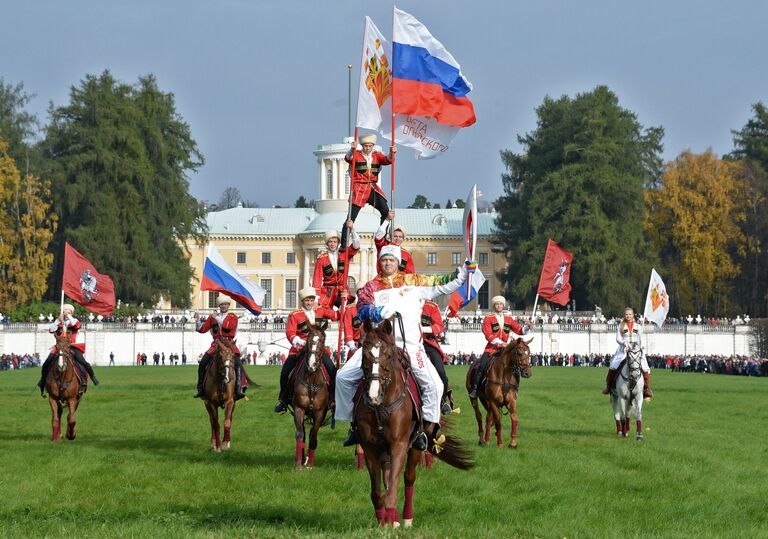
point(294, 221)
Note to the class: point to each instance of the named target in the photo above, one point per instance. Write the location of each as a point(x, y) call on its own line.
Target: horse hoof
point(481, 443)
point(639, 437)
point(396, 524)
point(407, 522)
point(298, 467)
point(71, 437)
point(513, 445)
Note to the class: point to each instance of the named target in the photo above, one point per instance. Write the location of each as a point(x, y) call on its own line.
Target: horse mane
point(226, 345)
point(63, 343)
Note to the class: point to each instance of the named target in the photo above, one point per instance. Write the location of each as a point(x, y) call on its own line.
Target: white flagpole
point(535, 303)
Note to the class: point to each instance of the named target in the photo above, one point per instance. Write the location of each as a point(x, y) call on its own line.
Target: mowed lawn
point(140, 466)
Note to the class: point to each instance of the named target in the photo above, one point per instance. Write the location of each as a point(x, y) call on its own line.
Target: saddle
point(243, 379)
point(293, 376)
point(82, 375)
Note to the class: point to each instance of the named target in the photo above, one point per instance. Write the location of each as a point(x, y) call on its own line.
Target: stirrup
point(446, 408)
point(473, 393)
point(420, 443)
point(352, 438)
point(280, 407)
point(199, 394)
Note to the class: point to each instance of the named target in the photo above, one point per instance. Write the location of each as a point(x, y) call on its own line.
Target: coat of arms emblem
point(88, 286)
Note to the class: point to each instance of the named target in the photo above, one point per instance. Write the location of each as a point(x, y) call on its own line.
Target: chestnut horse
point(386, 419)
point(500, 390)
point(311, 395)
point(64, 389)
point(219, 392)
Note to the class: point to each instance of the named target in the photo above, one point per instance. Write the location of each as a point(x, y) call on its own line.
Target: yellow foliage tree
point(27, 225)
point(693, 219)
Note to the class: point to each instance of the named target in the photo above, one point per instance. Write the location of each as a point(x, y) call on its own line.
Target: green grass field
point(140, 466)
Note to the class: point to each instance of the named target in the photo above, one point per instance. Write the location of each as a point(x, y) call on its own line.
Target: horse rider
point(427, 287)
point(296, 330)
point(498, 329)
point(365, 166)
point(351, 326)
point(433, 329)
point(222, 325)
point(398, 236)
point(328, 277)
point(66, 322)
point(628, 333)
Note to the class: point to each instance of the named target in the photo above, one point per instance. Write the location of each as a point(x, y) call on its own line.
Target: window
point(290, 293)
point(431, 259)
point(483, 259)
point(266, 284)
point(266, 258)
point(290, 258)
point(241, 258)
point(455, 259)
point(212, 299)
point(482, 296)
point(329, 183)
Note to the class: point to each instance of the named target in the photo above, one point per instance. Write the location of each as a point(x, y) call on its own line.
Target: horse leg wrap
point(618, 425)
point(217, 439)
point(360, 461)
point(392, 515)
point(381, 516)
point(408, 505)
point(639, 425)
point(514, 427)
point(299, 451)
point(430, 459)
point(227, 434)
point(311, 458)
point(487, 433)
point(498, 438)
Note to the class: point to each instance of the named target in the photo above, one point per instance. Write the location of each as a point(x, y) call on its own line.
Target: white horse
point(627, 394)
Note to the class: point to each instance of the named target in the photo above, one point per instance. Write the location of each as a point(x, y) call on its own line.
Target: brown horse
point(500, 390)
point(386, 418)
point(311, 395)
point(219, 392)
point(64, 389)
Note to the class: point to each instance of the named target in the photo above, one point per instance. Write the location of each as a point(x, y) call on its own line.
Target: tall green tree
point(121, 154)
point(17, 126)
point(751, 147)
point(579, 181)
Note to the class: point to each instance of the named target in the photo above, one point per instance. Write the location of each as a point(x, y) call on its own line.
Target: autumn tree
point(579, 181)
point(26, 229)
point(693, 220)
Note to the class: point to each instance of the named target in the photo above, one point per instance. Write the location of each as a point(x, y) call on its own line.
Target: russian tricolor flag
point(427, 79)
point(465, 294)
point(221, 277)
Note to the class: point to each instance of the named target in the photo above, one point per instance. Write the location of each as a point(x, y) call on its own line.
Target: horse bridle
point(380, 410)
point(225, 364)
point(516, 369)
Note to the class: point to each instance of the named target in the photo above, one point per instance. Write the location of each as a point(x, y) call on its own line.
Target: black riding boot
point(447, 406)
point(352, 436)
point(282, 399)
point(201, 374)
point(331, 368)
point(238, 379)
point(44, 372)
point(78, 355)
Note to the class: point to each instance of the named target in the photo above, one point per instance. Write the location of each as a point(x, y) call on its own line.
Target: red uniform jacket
point(73, 328)
point(492, 330)
point(352, 324)
point(228, 330)
point(327, 281)
point(363, 178)
point(406, 260)
point(298, 325)
point(431, 318)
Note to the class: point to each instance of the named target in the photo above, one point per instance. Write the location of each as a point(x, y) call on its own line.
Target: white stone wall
point(548, 338)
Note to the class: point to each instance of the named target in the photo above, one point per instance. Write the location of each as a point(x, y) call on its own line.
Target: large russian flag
point(427, 79)
point(221, 277)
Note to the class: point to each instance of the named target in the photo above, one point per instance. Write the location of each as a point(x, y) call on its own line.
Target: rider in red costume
point(222, 325)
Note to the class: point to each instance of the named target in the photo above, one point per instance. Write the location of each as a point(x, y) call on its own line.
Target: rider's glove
point(298, 341)
point(498, 342)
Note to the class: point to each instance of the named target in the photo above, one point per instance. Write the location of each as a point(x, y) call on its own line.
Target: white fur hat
point(498, 299)
point(68, 306)
point(221, 298)
point(332, 234)
point(390, 250)
point(400, 228)
point(307, 292)
point(367, 139)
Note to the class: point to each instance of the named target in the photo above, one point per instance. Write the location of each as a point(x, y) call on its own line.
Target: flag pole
point(390, 232)
point(535, 303)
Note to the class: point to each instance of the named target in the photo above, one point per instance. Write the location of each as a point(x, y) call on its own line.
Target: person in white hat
point(371, 306)
point(296, 331)
point(66, 322)
point(222, 325)
point(366, 165)
point(328, 276)
point(498, 329)
point(398, 236)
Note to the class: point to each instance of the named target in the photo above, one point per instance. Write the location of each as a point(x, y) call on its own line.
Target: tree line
point(591, 177)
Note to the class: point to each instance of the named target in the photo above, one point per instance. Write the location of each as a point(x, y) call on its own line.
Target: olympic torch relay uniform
point(381, 298)
point(221, 326)
point(626, 335)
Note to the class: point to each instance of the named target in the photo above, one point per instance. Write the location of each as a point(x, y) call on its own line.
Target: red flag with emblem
point(85, 285)
point(555, 281)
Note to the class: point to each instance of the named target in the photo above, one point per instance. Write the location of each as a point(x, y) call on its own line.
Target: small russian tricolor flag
point(465, 294)
point(221, 277)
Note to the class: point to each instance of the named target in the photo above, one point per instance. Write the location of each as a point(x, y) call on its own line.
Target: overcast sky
point(262, 83)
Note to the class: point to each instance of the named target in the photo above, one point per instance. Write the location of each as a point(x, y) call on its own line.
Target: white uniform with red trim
point(625, 336)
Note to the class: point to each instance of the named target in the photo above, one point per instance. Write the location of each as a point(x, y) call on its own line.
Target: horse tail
point(454, 451)
point(251, 383)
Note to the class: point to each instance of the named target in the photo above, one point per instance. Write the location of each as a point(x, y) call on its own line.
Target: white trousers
point(349, 376)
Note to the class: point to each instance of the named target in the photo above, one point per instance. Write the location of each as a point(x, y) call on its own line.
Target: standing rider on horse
point(328, 276)
point(427, 287)
point(222, 325)
point(66, 322)
point(498, 329)
point(628, 333)
point(296, 330)
point(398, 236)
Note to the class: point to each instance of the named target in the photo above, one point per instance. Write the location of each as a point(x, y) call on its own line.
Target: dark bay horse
point(64, 389)
point(219, 392)
point(311, 395)
point(386, 418)
point(500, 390)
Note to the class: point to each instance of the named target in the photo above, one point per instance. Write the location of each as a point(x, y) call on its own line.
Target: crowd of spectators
point(11, 362)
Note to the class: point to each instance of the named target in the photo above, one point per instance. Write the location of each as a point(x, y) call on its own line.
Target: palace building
point(276, 248)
